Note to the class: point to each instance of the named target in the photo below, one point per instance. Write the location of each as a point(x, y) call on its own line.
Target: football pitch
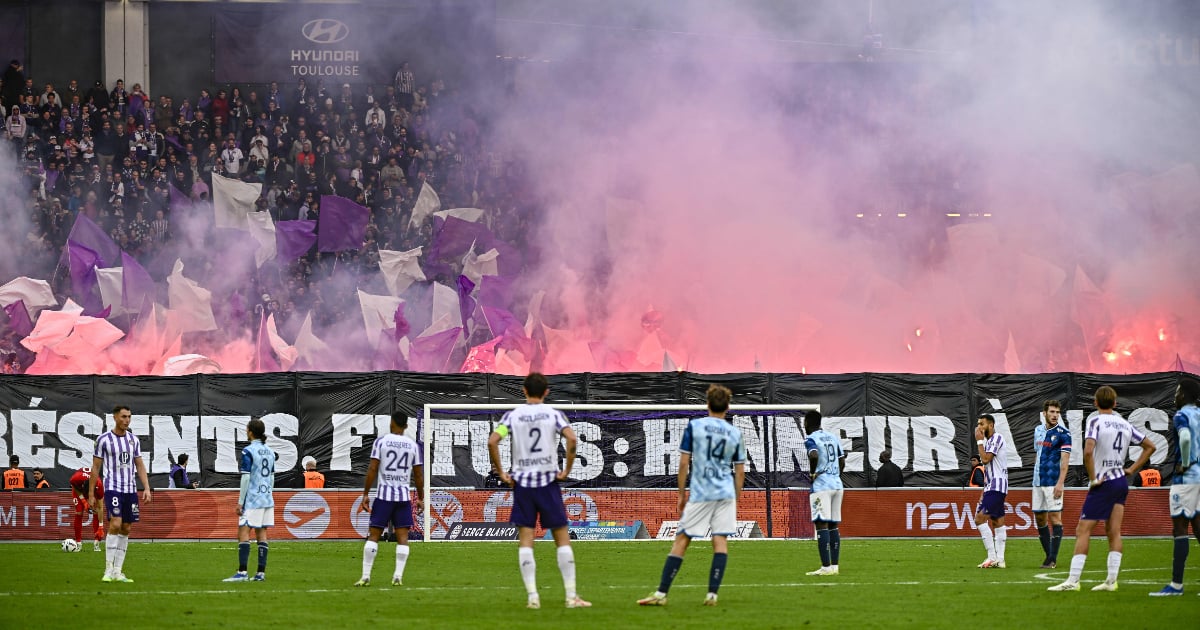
point(910, 583)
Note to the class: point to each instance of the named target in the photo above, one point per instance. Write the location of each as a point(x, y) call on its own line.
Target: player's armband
point(501, 430)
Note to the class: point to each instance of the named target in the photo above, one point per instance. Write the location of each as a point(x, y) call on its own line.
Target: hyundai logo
point(325, 31)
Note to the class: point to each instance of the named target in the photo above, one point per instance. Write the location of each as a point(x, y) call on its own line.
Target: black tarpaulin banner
point(926, 421)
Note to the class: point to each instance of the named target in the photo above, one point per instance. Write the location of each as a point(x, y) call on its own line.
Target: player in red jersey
point(79, 498)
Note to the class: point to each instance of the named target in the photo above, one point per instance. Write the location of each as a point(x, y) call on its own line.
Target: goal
point(625, 470)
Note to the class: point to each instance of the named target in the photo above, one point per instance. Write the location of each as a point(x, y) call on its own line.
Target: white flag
point(111, 289)
point(191, 302)
point(308, 346)
point(476, 267)
point(400, 269)
point(262, 228)
point(379, 314)
point(287, 354)
point(427, 203)
point(36, 293)
point(233, 201)
point(466, 214)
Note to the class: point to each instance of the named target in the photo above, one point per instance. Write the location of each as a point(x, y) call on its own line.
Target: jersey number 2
point(535, 434)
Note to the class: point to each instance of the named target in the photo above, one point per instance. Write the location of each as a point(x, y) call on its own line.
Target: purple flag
point(52, 178)
point(495, 291)
point(264, 358)
point(177, 198)
point(293, 239)
point(453, 237)
point(504, 324)
point(402, 325)
point(466, 304)
point(136, 283)
point(432, 353)
point(85, 288)
point(343, 224)
point(18, 318)
point(87, 233)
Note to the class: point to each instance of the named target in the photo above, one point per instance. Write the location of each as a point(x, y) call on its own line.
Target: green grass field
point(883, 583)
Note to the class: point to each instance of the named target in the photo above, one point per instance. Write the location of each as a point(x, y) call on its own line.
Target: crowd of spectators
point(133, 162)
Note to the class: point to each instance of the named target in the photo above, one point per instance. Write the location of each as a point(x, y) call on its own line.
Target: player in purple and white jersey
point(535, 428)
point(399, 457)
point(118, 455)
point(989, 517)
point(1105, 450)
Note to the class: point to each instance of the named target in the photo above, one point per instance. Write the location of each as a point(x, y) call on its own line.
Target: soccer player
point(117, 456)
point(1052, 448)
point(989, 517)
point(535, 428)
point(256, 501)
point(1105, 449)
point(827, 460)
point(79, 500)
point(401, 459)
point(1185, 485)
point(713, 452)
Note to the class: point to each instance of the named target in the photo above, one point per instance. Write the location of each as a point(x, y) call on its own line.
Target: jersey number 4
point(715, 451)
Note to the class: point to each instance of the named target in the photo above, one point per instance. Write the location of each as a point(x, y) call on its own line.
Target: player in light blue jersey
point(713, 452)
point(1185, 484)
point(826, 460)
point(256, 501)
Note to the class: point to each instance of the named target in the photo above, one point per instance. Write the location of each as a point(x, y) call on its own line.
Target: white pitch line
point(1042, 578)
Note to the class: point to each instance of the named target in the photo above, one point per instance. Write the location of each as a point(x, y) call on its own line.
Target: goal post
point(573, 411)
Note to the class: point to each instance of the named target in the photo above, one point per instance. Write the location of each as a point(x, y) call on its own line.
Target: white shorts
point(1044, 501)
point(257, 517)
point(704, 518)
point(826, 506)
point(1185, 499)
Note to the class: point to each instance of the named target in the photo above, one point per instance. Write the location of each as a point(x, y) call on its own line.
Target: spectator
point(889, 474)
point(312, 478)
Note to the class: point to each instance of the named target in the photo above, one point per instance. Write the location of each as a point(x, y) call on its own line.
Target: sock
point(835, 545)
point(1055, 541)
point(243, 556)
point(1179, 560)
point(110, 550)
point(401, 560)
point(566, 566)
point(528, 570)
point(985, 532)
point(1114, 565)
point(1077, 562)
point(717, 572)
point(670, 569)
point(263, 548)
point(823, 546)
point(78, 523)
point(119, 556)
point(1044, 538)
point(369, 551)
point(1001, 542)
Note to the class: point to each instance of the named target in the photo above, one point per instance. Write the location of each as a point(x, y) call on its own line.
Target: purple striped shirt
point(995, 472)
point(118, 452)
point(397, 455)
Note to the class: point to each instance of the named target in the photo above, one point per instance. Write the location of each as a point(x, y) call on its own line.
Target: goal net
point(625, 472)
